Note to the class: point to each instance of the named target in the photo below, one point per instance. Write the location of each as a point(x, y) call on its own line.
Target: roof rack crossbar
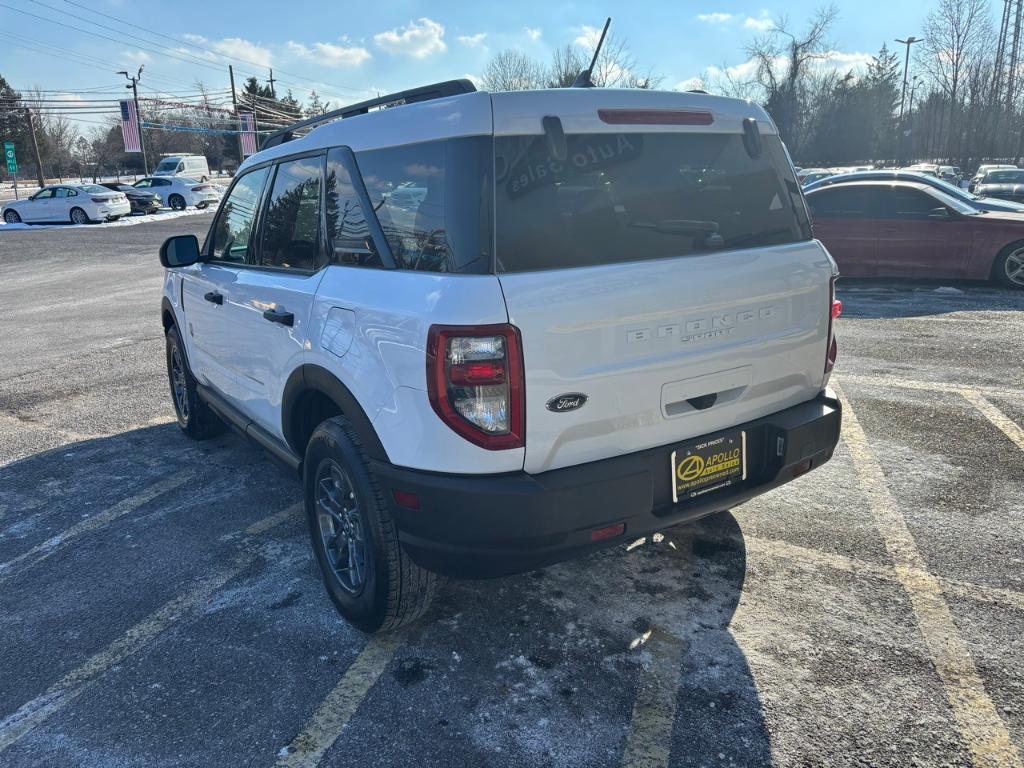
point(410, 96)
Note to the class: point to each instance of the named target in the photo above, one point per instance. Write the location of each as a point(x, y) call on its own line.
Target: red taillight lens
point(100, 199)
point(200, 188)
point(832, 347)
point(475, 383)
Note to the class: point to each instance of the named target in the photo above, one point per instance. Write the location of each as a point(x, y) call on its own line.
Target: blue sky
point(346, 50)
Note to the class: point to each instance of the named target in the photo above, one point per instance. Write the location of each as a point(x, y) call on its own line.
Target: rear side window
point(839, 202)
point(635, 196)
point(349, 238)
point(433, 201)
point(232, 233)
point(291, 229)
point(902, 203)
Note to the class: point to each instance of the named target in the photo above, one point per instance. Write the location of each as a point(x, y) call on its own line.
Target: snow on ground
point(163, 215)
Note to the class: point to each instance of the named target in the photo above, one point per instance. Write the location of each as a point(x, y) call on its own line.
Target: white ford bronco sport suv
point(494, 331)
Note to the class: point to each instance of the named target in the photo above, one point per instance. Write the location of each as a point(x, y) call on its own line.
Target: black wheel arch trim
point(311, 377)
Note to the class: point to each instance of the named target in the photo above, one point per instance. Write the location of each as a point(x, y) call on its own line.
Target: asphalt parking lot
point(159, 605)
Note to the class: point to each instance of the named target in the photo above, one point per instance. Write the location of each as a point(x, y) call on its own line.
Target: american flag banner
point(247, 126)
point(130, 126)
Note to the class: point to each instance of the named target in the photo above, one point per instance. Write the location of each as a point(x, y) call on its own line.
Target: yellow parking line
point(73, 684)
point(932, 386)
point(59, 541)
point(331, 717)
point(274, 520)
point(649, 741)
point(982, 730)
point(1002, 422)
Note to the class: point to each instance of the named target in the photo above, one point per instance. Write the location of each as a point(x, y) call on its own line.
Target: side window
point(143, 184)
point(291, 231)
point(233, 231)
point(349, 238)
point(44, 194)
point(903, 203)
point(72, 193)
point(406, 186)
point(839, 202)
point(61, 192)
point(161, 183)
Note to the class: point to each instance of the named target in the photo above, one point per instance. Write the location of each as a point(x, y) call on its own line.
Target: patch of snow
point(131, 220)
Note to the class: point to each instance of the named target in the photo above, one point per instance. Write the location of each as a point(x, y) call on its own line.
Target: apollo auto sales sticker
point(708, 465)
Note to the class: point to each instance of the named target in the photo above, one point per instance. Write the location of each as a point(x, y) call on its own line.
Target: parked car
point(75, 203)
point(810, 175)
point(140, 200)
point(180, 192)
point(911, 229)
point(189, 166)
point(983, 169)
point(1004, 184)
point(972, 199)
point(581, 333)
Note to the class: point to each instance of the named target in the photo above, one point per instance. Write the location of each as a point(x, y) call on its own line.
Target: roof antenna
point(583, 78)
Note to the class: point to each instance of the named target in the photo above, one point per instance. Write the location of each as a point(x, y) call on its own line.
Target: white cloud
point(533, 33)
point(690, 84)
point(472, 41)
point(418, 39)
point(762, 23)
point(329, 54)
point(233, 47)
point(845, 61)
point(136, 57)
point(475, 80)
point(714, 18)
point(588, 37)
point(739, 72)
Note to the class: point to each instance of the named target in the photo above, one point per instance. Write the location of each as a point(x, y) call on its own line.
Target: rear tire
point(1008, 268)
point(177, 202)
point(368, 576)
point(194, 416)
point(12, 217)
point(78, 216)
point(201, 206)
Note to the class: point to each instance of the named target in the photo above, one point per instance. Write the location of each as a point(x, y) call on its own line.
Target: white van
point(192, 166)
point(494, 331)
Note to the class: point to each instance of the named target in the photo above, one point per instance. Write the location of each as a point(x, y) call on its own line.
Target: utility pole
point(35, 147)
point(234, 104)
point(138, 113)
point(906, 66)
point(273, 93)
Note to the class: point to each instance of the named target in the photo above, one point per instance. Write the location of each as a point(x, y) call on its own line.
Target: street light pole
point(906, 66)
point(138, 113)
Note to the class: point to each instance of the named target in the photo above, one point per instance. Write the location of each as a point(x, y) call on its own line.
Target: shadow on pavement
point(877, 299)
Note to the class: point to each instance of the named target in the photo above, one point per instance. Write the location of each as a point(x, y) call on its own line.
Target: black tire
point(113, 218)
point(78, 216)
point(12, 217)
point(194, 416)
point(393, 590)
point(201, 206)
point(1008, 268)
point(177, 202)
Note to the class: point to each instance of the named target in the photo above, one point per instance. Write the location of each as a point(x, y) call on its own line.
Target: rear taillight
point(835, 310)
point(475, 382)
point(100, 199)
point(201, 188)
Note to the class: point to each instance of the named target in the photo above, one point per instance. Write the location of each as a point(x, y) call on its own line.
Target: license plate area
point(708, 464)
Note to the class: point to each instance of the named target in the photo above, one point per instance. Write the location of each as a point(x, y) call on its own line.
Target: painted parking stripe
point(649, 741)
point(57, 542)
point(76, 682)
point(981, 728)
point(327, 723)
point(1000, 420)
point(264, 525)
point(930, 386)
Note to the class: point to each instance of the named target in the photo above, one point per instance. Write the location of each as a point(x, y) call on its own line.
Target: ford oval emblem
point(567, 402)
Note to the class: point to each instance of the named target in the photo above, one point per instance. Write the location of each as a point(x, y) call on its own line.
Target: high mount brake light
point(475, 383)
point(655, 116)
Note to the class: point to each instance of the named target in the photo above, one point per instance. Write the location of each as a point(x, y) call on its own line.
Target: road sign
point(12, 161)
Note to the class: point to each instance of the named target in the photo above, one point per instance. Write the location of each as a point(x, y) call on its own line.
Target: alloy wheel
point(12, 217)
point(341, 526)
point(179, 385)
point(78, 216)
point(1014, 267)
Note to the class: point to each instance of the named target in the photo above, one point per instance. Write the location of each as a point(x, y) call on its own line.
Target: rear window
point(636, 196)
point(1005, 177)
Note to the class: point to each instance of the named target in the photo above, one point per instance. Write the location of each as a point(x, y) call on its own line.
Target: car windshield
point(1004, 177)
point(952, 202)
point(950, 189)
point(167, 165)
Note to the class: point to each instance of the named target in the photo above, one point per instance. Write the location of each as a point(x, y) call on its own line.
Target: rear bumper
point(477, 526)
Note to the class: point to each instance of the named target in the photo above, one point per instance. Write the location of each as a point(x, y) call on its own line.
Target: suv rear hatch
point(659, 263)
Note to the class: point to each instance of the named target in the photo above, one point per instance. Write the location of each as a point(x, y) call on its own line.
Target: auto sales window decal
point(586, 154)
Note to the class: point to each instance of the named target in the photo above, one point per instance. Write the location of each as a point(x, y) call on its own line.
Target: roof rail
point(411, 96)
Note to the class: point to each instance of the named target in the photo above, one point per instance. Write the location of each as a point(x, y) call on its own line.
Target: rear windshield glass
point(636, 196)
point(1005, 177)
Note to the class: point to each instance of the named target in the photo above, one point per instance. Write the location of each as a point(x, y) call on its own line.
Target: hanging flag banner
point(130, 126)
point(247, 127)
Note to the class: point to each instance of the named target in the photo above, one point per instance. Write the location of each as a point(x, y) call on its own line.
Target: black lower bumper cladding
point(478, 526)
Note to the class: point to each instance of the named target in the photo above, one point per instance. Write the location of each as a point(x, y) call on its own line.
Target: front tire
point(194, 416)
point(370, 579)
point(201, 206)
point(177, 202)
point(78, 216)
point(12, 217)
point(1008, 268)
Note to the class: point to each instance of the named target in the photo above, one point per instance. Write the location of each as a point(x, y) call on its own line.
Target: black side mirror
point(180, 251)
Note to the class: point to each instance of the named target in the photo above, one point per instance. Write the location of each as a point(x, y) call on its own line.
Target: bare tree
point(512, 70)
point(956, 35)
point(566, 64)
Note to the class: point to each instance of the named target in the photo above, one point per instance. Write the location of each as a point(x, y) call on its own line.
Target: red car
point(908, 229)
